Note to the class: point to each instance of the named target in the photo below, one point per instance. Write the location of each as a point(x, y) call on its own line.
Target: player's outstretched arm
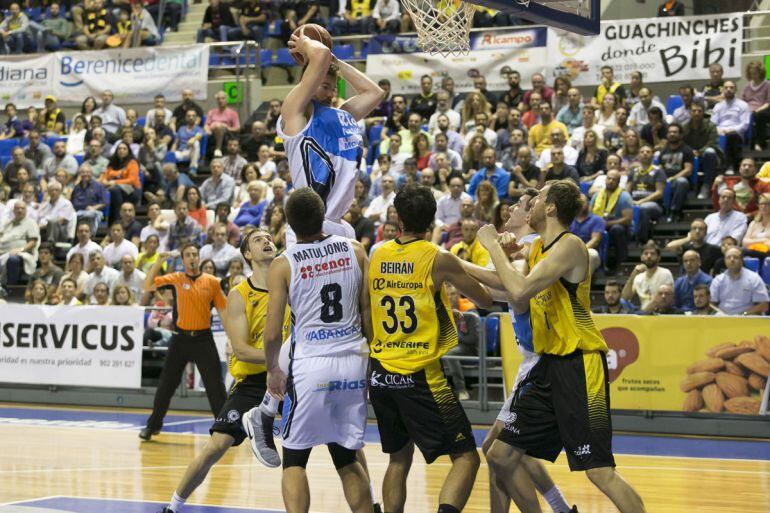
point(237, 329)
point(364, 306)
point(560, 263)
point(449, 268)
point(278, 293)
point(318, 57)
point(368, 93)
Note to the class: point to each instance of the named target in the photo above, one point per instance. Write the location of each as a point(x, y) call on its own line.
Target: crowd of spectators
point(68, 180)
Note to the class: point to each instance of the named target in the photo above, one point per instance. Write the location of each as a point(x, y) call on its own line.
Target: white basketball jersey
point(323, 294)
point(325, 156)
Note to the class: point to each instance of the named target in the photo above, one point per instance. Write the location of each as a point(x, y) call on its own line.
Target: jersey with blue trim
point(325, 156)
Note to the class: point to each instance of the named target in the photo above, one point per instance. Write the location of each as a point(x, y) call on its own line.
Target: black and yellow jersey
point(560, 315)
point(412, 321)
point(256, 314)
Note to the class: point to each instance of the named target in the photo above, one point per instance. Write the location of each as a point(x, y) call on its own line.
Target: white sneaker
point(464, 395)
point(259, 429)
point(218, 154)
point(704, 193)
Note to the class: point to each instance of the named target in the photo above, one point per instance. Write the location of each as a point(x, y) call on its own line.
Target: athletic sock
point(371, 490)
point(269, 405)
point(556, 500)
point(176, 503)
point(447, 508)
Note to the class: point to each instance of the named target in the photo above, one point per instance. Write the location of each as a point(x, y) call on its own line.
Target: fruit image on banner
point(676, 363)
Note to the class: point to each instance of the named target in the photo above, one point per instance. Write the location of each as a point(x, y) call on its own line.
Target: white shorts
point(330, 227)
point(325, 402)
point(529, 361)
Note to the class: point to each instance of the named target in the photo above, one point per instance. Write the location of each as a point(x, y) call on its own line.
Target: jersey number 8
point(405, 302)
point(331, 307)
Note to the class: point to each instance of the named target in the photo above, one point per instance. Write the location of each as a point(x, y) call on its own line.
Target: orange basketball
point(313, 31)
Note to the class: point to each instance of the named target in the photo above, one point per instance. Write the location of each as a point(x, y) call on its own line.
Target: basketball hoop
point(443, 26)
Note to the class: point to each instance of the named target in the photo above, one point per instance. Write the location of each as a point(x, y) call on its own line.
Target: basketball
point(313, 31)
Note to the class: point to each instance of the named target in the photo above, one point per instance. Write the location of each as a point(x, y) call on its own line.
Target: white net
point(443, 26)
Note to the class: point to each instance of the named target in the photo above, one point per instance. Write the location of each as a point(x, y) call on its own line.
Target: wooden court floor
point(100, 460)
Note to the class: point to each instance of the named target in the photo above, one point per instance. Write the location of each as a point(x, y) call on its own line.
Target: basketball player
point(563, 400)
point(324, 147)
point(413, 328)
point(532, 473)
point(244, 323)
point(321, 276)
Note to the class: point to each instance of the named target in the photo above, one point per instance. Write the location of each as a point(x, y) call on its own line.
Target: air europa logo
point(142, 63)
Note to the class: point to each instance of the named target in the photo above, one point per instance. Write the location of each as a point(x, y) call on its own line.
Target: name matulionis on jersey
point(300, 255)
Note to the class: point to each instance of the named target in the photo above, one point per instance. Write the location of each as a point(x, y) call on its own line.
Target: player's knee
point(496, 459)
point(341, 457)
point(403, 457)
point(217, 446)
point(295, 458)
point(601, 477)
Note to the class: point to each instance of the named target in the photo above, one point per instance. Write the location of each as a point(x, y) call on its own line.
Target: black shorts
point(243, 396)
point(420, 407)
point(564, 401)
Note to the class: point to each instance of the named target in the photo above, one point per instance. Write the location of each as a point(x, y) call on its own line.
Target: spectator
point(113, 117)
point(233, 162)
point(468, 331)
point(115, 250)
point(739, 291)
point(647, 277)
point(590, 228)
point(221, 121)
point(442, 106)
point(13, 127)
point(408, 135)
point(682, 113)
point(14, 30)
point(587, 122)
point(701, 295)
point(731, 117)
point(560, 99)
point(218, 250)
point(100, 295)
point(157, 225)
point(361, 192)
point(677, 159)
point(410, 175)
point(63, 178)
point(540, 88)
point(173, 186)
point(725, 244)
point(363, 226)
point(150, 255)
point(390, 165)
point(614, 205)
point(75, 265)
point(88, 107)
point(89, 198)
point(249, 173)
point(614, 136)
point(756, 242)
point(757, 95)
point(35, 151)
point(451, 158)
point(605, 114)
point(121, 179)
point(18, 162)
point(221, 216)
point(159, 102)
point(524, 173)
point(59, 160)
point(615, 304)
point(277, 226)
point(454, 231)
point(84, 245)
point(218, 23)
point(100, 273)
point(150, 157)
point(455, 141)
point(56, 216)
point(76, 139)
point(425, 103)
point(486, 202)
point(662, 302)
point(671, 8)
point(480, 85)
point(47, 272)
point(608, 85)
point(500, 118)
point(639, 115)
point(163, 132)
point(655, 130)
point(298, 14)
point(421, 151)
point(68, 291)
point(690, 278)
point(129, 277)
point(398, 118)
point(448, 206)
point(257, 138)
point(180, 112)
point(469, 248)
point(355, 17)
point(143, 21)
point(219, 187)
point(646, 185)
point(475, 103)
point(592, 158)
point(122, 295)
point(37, 293)
point(185, 229)
point(558, 140)
point(278, 187)
point(558, 169)
point(252, 210)
point(98, 134)
point(252, 20)
point(571, 115)
point(514, 96)
point(491, 172)
point(387, 231)
point(726, 221)
point(380, 114)
point(505, 134)
point(700, 134)
point(97, 26)
point(186, 147)
point(540, 134)
point(747, 188)
point(197, 209)
point(696, 241)
point(132, 228)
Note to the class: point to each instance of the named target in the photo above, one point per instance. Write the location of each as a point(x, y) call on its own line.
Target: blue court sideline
point(199, 425)
point(77, 505)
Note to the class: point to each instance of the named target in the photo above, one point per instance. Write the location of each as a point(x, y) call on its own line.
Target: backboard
point(580, 16)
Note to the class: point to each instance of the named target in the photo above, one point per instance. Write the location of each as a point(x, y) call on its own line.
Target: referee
point(194, 293)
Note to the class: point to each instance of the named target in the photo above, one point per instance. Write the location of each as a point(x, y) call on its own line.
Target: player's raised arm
point(278, 291)
point(318, 57)
point(449, 268)
point(368, 93)
point(237, 329)
point(520, 287)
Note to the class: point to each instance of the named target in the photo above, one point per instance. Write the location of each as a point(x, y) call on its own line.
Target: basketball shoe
point(259, 429)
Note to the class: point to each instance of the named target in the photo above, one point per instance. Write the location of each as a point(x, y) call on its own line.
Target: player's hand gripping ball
point(312, 31)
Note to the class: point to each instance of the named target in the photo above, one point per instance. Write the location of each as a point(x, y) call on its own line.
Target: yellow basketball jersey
point(413, 322)
point(560, 315)
point(256, 314)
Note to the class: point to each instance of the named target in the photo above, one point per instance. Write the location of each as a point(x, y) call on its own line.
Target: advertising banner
point(491, 53)
point(676, 363)
point(25, 81)
point(71, 345)
point(134, 74)
point(663, 49)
